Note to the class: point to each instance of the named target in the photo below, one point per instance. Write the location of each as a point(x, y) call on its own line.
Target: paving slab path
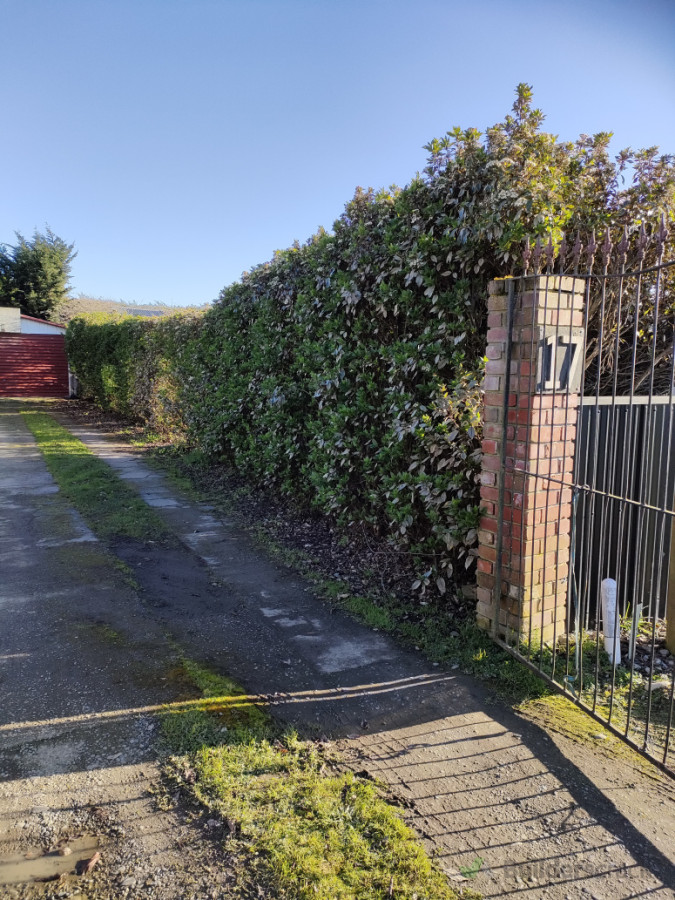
point(546, 816)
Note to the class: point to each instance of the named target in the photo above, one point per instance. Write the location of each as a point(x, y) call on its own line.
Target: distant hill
point(77, 306)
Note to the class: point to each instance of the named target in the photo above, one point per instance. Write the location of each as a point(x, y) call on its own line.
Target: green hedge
point(346, 371)
point(133, 366)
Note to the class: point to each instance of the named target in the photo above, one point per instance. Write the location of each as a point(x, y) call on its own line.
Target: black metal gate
point(634, 434)
point(608, 639)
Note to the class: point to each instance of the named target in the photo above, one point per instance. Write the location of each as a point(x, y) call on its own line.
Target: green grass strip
point(108, 505)
point(294, 820)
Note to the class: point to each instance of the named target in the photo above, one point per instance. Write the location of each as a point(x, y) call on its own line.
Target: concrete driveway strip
point(58, 591)
point(83, 669)
point(536, 814)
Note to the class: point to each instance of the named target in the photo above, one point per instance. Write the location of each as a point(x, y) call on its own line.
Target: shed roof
point(43, 321)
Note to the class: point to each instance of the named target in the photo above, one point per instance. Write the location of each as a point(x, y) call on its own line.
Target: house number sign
point(559, 361)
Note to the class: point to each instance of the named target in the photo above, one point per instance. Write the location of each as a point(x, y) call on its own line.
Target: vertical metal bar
point(627, 481)
point(532, 381)
point(595, 471)
point(572, 486)
point(670, 588)
point(573, 582)
point(670, 585)
point(634, 489)
point(612, 429)
point(660, 499)
point(561, 465)
point(647, 498)
point(502, 474)
point(587, 531)
point(586, 539)
point(539, 388)
point(537, 477)
point(543, 405)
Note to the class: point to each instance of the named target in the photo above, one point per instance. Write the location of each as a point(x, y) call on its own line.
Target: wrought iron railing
point(608, 641)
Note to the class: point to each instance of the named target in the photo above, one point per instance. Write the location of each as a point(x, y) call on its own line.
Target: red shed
point(32, 356)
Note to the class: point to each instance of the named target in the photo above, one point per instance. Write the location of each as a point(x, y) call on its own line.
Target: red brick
point(488, 524)
point(491, 463)
point(485, 579)
point(498, 302)
point(484, 595)
point(485, 539)
point(488, 553)
point(497, 334)
point(493, 398)
point(492, 430)
point(498, 285)
point(495, 366)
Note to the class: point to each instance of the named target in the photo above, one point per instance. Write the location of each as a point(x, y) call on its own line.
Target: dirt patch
point(35, 866)
point(143, 851)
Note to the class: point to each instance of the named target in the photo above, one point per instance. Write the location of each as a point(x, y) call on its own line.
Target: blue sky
point(180, 142)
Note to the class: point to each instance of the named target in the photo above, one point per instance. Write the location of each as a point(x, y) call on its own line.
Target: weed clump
point(297, 820)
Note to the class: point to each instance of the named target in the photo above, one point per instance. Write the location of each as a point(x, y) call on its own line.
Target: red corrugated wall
point(33, 365)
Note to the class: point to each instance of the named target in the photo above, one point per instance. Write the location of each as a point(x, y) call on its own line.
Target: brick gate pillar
point(532, 399)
